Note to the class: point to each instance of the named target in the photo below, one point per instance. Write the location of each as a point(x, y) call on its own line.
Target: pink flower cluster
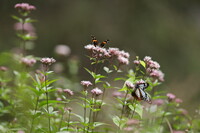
point(86, 83)
point(96, 91)
point(25, 7)
point(69, 92)
point(129, 84)
point(29, 62)
point(47, 61)
point(99, 52)
point(62, 50)
point(153, 69)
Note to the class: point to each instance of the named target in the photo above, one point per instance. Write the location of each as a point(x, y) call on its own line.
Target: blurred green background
point(166, 30)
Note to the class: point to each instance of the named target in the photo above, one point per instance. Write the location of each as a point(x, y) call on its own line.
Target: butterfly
point(140, 94)
point(96, 43)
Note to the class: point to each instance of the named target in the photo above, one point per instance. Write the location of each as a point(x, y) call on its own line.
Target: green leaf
point(116, 120)
point(139, 110)
point(96, 124)
point(29, 20)
point(143, 63)
point(49, 102)
point(107, 69)
point(80, 117)
point(17, 18)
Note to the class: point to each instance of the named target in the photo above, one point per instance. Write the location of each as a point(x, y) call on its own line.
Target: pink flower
point(89, 47)
point(62, 50)
point(183, 111)
point(47, 61)
point(124, 54)
point(132, 122)
point(128, 129)
point(123, 60)
point(28, 61)
point(158, 102)
point(59, 90)
point(141, 81)
point(171, 96)
point(157, 74)
point(129, 84)
point(117, 94)
point(20, 131)
point(86, 83)
point(25, 7)
point(178, 131)
point(178, 100)
point(153, 64)
point(96, 91)
point(147, 58)
point(59, 99)
point(113, 51)
point(3, 68)
point(69, 92)
point(27, 27)
point(137, 62)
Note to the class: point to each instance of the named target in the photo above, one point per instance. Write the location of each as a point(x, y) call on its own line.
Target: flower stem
point(37, 100)
point(47, 100)
point(85, 93)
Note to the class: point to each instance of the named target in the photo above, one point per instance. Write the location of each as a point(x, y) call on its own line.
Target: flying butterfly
point(140, 94)
point(96, 43)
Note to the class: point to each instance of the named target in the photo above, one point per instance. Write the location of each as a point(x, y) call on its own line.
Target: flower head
point(25, 7)
point(178, 100)
point(141, 81)
point(47, 61)
point(147, 58)
point(3, 68)
point(123, 60)
point(137, 62)
point(96, 91)
point(28, 61)
point(69, 92)
point(129, 84)
point(132, 122)
point(171, 96)
point(86, 83)
point(158, 102)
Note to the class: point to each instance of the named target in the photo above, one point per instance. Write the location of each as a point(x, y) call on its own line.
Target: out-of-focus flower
point(178, 100)
point(20, 131)
point(59, 90)
point(62, 50)
point(59, 99)
point(124, 54)
point(158, 102)
point(122, 60)
point(132, 122)
point(183, 111)
point(129, 84)
point(86, 83)
point(3, 68)
point(137, 62)
point(89, 47)
point(69, 92)
point(27, 27)
point(28, 61)
point(128, 129)
point(96, 91)
point(178, 131)
point(47, 61)
point(25, 7)
point(171, 96)
point(117, 94)
point(68, 109)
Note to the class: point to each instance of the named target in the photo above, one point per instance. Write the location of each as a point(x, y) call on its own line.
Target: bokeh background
point(166, 30)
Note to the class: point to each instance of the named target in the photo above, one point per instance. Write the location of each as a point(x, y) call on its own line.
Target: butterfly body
point(96, 43)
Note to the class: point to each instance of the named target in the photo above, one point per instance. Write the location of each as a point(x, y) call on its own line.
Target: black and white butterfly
point(140, 94)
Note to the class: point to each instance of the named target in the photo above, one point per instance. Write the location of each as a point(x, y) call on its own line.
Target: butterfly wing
point(140, 94)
